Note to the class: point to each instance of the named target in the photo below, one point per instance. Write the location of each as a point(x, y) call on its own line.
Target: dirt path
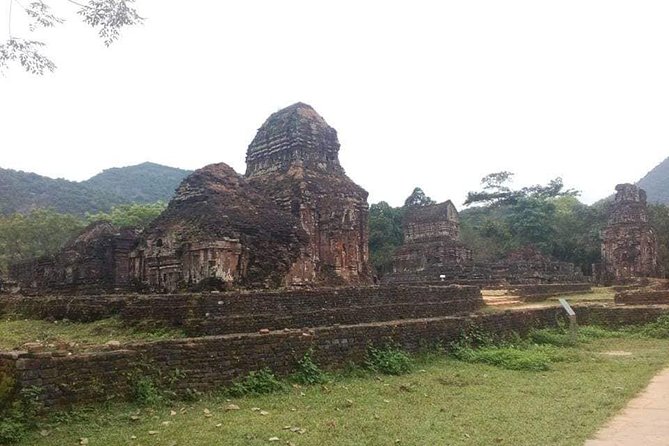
point(645, 420)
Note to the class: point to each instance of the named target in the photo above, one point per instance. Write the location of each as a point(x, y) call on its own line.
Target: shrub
point(18, 410)
point(257, 383)
point(389, 360)
point(145, 391)
point(308, 371)
point(472, 337)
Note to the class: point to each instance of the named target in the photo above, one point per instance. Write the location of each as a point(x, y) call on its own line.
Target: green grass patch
point(16, 332)
point(511, 358)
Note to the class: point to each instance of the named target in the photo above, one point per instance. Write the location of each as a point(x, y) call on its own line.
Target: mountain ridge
point(22, 192)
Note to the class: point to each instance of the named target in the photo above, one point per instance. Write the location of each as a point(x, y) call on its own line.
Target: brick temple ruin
point(433, 253)
point(294, 218)
point(629, 244)
point(432, 249)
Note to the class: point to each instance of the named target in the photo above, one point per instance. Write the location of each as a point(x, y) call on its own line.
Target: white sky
point(434, 94)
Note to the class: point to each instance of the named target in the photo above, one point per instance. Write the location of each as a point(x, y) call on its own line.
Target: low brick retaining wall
point(642, 297)
point(208, 363)
point(226, 313)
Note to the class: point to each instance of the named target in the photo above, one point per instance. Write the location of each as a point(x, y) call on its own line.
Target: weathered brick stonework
point(216, 314)
point(524, 266)
point(294, 160)
point(95, 260)
point(211, 362)
point(629, 244)
point(294, 219)
point(218, 229)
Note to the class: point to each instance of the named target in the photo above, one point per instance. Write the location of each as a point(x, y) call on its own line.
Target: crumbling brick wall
point(215, 314)
point(211, 362)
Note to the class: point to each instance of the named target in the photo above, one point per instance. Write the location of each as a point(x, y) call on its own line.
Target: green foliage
point(308, 371)
point(385, 235)
point(418, 198)
point(658, 329)
point(557, 338)
point(389, 360)
point(130, 215)
point(546, 217)
point(145, 390)
point(496, 191)
point(18, 410)
point(257, 383)
point(39, 233)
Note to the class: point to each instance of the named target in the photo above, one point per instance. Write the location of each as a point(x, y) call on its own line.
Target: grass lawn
point(15, 332)
point(443, 401)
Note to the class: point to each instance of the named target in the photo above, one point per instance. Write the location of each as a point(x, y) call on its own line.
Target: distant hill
point(656, 183)
point(144, 183)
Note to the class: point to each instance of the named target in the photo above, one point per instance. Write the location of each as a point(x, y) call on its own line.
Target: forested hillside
point(24, 192)
point(143, 183)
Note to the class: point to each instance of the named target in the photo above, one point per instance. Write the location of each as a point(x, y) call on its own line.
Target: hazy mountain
point(144, 183)
point(656, 183)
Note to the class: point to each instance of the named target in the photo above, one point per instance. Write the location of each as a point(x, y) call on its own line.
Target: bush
point(257, 383)
point(308, 371)
point(389, 360)
point(145, 391)
point(18, 410)
point(472, 337)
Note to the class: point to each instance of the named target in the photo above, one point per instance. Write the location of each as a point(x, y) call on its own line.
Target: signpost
point(572, 318)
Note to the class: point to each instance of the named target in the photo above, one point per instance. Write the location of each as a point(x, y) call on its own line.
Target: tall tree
point(418, 198)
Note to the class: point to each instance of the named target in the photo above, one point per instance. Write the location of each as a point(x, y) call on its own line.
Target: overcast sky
point(434, 94)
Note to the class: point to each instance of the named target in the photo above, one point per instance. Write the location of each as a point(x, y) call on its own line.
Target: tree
point(108, 17)
point(418, 198)
point(385, 235)
point(496, 191)
point(134, 215)
point(548, 217)
point(40, 233)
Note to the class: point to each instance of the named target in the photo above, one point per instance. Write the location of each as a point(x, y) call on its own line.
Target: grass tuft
point(389, 360)
point(257, 383)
